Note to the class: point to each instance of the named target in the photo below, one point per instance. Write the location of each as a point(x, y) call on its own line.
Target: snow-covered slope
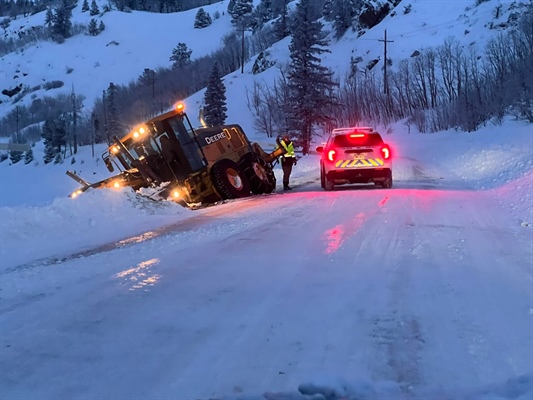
point(137, 40)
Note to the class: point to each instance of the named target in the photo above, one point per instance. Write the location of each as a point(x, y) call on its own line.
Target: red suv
point(355, 155)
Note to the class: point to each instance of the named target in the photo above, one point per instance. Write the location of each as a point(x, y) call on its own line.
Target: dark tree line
point(14, 8)
point(160, 6)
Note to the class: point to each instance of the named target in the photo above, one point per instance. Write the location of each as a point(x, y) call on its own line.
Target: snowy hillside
point(137, 40)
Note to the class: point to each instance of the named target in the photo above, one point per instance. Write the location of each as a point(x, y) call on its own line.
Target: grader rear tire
point(259, 173)
point(229, 180)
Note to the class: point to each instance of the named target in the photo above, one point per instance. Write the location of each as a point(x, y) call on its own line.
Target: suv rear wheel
point(328, 185)
point(387, 183)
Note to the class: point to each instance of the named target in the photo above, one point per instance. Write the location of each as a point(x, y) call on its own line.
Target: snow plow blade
point(78, 179)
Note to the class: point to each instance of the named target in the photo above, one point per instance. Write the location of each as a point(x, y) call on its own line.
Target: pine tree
point(47, 133)
point(215, 99)
point(281, 25)
point(58, 159)
point(101, 27)
point(231, 5)
point(93, 29)
point(202, 19)
point(15, 156)
point(61, 22)
point(147, 77)
point(85, 6)
point(94, 9)
point(114, 127)
point(49, 18)
point(262, 13)
point(59, 134)
point(49, 154)
point(242, 12)
point(28, 157)
point(310, 83)
point(327, 10)
point(181, 56)
point(343, 13)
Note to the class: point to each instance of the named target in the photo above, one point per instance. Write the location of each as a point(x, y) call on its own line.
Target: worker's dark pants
point(286, 165)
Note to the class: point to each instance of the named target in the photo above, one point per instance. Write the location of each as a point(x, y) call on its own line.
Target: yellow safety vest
point(289, 149)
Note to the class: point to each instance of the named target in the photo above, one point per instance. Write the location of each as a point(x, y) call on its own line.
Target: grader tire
point(229, 180)
point(259, 173)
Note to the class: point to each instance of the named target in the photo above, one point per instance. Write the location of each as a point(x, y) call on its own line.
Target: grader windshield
point(165, 145)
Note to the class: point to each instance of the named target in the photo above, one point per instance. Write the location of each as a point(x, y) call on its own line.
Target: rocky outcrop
point(12, 92)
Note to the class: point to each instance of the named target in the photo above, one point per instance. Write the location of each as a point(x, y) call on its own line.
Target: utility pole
point(242, 47)
point(74, 120)
point(153, 92)
point(385, 82)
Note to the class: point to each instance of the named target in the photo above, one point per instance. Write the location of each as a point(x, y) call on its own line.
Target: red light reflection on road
point(336, 236)
point(383, 201)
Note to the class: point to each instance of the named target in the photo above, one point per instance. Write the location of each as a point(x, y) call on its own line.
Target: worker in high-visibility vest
point(287, 160)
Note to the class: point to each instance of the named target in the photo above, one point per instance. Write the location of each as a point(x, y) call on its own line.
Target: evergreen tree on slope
point(28, 157)
point(94, 9)
point(181, 56)
point(202, 19)
point(344, 12)
point(61, 21)
point(242, 12)
point(215, 99)
point(114, 127)
point(93, 28)
point(311, 85)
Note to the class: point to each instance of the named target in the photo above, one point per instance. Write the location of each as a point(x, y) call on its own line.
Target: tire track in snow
point(396, 332)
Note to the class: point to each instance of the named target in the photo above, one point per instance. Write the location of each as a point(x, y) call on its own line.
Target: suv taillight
point(385, 150)
point(331, 155)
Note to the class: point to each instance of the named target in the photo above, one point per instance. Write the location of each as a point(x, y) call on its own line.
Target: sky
point(423, 291)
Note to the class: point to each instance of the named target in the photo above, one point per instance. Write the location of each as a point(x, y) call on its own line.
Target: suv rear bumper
point(359, 175)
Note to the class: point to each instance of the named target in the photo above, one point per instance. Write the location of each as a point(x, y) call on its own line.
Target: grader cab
point(187, 165)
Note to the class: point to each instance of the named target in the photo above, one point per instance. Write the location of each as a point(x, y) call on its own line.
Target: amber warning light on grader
point(180, 107)
point(139, 132)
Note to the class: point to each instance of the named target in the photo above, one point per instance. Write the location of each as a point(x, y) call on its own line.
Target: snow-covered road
point(426, 285)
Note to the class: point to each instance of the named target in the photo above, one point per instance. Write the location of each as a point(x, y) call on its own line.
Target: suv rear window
point(369, 139)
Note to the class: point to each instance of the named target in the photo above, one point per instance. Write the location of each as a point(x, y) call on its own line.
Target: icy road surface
point(426, 285)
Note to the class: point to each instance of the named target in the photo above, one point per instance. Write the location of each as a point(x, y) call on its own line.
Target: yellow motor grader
point(187, 165)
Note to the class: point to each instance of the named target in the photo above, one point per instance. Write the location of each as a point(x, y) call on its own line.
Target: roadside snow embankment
point(496, 158)
point(96, 217)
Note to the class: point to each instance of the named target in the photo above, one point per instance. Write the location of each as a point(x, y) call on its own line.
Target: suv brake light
point(357, 135)
point(332, 155)
point(386, 152)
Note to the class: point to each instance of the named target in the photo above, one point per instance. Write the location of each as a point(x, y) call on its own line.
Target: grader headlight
point(75, 194)
point(139, 132)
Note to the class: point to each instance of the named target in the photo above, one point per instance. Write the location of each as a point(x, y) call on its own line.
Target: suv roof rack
point(340, 131)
